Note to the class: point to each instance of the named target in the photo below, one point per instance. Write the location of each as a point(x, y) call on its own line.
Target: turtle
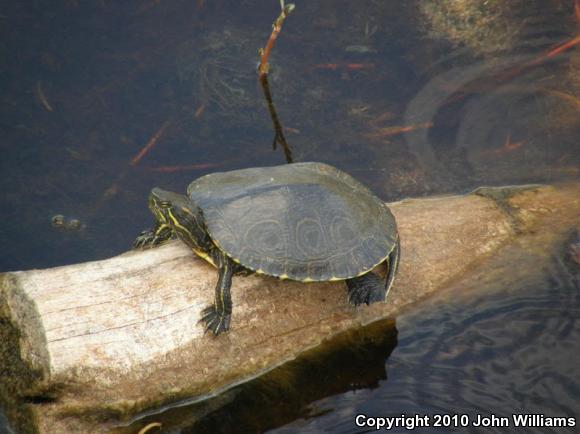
point(303, 221)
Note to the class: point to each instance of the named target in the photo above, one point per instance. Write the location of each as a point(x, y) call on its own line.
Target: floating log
point(86, 346)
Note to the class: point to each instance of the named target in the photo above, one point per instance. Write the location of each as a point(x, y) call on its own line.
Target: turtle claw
point(217, 322)
point(356, 298)
point(144, 240)
point(152, 237)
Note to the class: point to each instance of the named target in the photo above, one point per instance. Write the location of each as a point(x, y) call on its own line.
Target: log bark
point(86, 345)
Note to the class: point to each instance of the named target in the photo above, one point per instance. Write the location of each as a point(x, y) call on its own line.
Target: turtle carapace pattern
point(303, 221)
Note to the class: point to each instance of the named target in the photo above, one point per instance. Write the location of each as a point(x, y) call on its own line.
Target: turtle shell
point(302, 221)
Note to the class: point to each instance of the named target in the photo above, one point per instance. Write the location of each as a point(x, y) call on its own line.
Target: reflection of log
point(351, 360)
point(107, 339)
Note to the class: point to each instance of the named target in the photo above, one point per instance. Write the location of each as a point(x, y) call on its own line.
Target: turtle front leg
point(153, 237)
point(217, 316)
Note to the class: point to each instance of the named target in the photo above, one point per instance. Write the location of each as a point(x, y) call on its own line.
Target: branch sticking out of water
point(276, 28)
point(278, 130)
point(263, 74)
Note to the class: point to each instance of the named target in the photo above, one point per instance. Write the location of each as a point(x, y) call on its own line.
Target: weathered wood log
point(110, 338)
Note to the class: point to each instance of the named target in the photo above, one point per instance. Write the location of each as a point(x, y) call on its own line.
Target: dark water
point(412, 98)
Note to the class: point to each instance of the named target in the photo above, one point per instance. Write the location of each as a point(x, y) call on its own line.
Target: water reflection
point(351, 361)
point(502, 104)
point(504, 346)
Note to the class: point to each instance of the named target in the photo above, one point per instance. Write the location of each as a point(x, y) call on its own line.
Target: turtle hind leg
point(217, 317)
point(367, 289)
point(392, 264)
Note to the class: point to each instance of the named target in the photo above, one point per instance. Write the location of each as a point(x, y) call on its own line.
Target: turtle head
point(184, 217)
point(163, 204)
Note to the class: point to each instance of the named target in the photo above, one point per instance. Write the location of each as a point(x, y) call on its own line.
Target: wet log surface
point(86, 345)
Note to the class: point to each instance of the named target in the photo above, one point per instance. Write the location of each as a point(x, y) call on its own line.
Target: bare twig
point(276, 28)
point(263, 74)
point(279, 133)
